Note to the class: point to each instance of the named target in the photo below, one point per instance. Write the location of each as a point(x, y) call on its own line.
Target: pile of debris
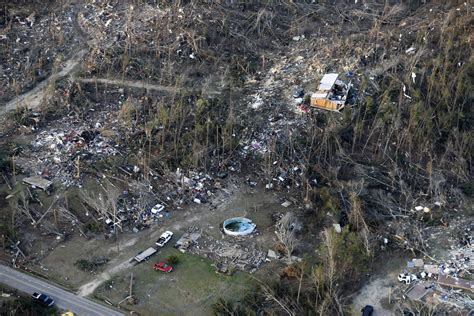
point(57, 153)
point(241, 254)
point(189, 239)
point(52, 35)
point(449, 281)
point(143, 214)
point(147, 201)
point(199, 186)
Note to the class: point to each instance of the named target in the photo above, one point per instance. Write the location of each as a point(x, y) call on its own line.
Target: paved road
point(64, 299)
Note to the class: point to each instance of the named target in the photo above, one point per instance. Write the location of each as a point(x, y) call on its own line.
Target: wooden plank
point(324, 104)
point(418, 291)
point(460, 283)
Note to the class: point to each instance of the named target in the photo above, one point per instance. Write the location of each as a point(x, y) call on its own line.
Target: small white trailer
point(144, 255)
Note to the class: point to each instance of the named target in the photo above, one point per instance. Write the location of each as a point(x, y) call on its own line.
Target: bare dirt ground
point(139, 84)
point(89, 288)
point(374, 293)
point(379, 287)
point(132, 84)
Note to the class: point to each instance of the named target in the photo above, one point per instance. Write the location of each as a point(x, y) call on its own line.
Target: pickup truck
point(164, 238)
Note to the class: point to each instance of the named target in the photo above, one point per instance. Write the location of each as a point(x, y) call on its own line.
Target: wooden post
point(306, 198)
point(55, 210)
point(78, 167)
point(13, 170)
point(301, 281)
point(131, 284)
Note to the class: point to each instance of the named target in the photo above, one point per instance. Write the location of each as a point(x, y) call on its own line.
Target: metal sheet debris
point(38, 182)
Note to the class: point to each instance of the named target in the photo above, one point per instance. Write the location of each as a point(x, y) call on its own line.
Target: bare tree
point(286, 233)
point(357, 221)
point(22, 205)
point(279, 305)
point(104, 203)
point(330, 300)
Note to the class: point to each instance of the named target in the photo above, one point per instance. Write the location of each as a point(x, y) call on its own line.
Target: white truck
point(164, 238)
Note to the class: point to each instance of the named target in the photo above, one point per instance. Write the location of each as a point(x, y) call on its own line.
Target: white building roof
point(327, 82)
point(318, 95)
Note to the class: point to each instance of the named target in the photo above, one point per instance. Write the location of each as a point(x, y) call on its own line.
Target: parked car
point(407, 278)
point(163, 266)
point(43, 299)
point(164, 238)
point(158, 208)
point(368, 310)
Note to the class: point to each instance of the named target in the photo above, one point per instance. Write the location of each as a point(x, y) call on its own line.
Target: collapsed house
point(332, 93)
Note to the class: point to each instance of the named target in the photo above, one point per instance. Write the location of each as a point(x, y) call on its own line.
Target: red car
point(162, 266)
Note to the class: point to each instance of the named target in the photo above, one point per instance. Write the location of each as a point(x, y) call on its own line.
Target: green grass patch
point(192, 287)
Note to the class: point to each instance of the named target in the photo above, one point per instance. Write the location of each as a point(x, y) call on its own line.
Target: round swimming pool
point(238, 226)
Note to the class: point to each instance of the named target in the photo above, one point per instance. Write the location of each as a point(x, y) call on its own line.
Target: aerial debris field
point(288, 158)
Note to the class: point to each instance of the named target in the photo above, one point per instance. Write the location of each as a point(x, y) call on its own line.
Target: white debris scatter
point(410, 50)
point(257, 103)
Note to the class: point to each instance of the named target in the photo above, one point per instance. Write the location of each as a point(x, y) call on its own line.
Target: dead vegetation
point(178, 96)
point(33, 39)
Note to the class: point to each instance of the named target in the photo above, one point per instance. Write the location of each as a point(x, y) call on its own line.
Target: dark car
point(298, 93)
point(368, 310)
point(43, 299)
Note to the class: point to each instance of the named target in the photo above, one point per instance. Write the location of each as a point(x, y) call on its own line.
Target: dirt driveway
point(257, 204)
point(379, 287)
point(33, 98)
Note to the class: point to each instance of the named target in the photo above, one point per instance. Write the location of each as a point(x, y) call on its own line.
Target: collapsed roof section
point(332, 93)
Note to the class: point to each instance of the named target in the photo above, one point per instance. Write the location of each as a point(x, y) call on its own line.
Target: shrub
point(173, 260)
point(5, 162)
point(25, 306)
point(468, 188)
point(94, 227)
point(92, 265)
point(328, 202)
